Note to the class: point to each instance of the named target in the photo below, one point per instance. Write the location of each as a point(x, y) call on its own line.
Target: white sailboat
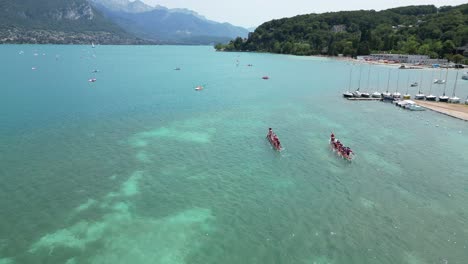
point(431, 97)
point(444, 98)
point(396, 94)
point(365, 94)
point(420, 95)
point(454, 99)
point(388, 96)
point(407, 96)
point(348, 94)
point(377, 94)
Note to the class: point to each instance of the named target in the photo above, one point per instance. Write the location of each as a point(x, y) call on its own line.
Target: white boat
point(454, 99)
point(444, 98)
point(414, 107)
point(357, 94)
point(396, 94)
point(365, 95)
point(419, 96)
point(92, 45)
point(410, 105)
point(465, 76)
point(438, 81)
point(431, 97)
point(388, 96)
point(348, 94)
point(376, 95)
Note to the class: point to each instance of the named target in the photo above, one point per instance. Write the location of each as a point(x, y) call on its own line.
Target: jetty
point(459, 111)
point(364, 99)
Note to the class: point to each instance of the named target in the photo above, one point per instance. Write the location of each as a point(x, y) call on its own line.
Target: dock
point(459, 111)
point(364, 99)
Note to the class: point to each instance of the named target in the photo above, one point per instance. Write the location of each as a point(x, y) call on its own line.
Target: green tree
point(457, 58)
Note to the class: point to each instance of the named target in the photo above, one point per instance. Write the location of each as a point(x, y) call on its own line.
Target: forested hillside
point(413, 29)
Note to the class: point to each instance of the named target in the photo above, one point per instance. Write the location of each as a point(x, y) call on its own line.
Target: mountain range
point(107, 22)
point(161, 24)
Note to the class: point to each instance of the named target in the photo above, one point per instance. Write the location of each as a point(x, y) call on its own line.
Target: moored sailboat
point(420, 95)
point(454, 99)
point(396, 94)
point(388, 96)
point(431, 97)
point(407, 96)
point(444, 98)
point(348, 94)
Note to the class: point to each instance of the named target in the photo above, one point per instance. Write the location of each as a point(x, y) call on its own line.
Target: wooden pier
point(364, 99)
point(459, 111)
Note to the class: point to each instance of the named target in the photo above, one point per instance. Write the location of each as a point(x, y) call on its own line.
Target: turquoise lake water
point(140, 168)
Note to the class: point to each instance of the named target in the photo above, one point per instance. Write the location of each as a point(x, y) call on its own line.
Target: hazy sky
point(248, 13)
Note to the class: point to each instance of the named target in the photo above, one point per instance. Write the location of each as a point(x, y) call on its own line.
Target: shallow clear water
point(139, 168)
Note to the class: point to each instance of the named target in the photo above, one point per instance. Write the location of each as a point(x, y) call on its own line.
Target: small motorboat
point(199, 88)
point(348, 94)
point(376, 95)
point(465, 76)
point(95, 71)
point(177, 69)
point(33, 68)
point(415, 84)
point(342, 151)
point(249, 65)
point(414, 107)
point(92, 80)
point(274, 141)
point(439, 81)
point(265, 77)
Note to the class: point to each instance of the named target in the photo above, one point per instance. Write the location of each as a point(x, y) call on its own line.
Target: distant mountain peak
point(136, 6)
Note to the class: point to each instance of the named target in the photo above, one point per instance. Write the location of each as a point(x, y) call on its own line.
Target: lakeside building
point(402, 58)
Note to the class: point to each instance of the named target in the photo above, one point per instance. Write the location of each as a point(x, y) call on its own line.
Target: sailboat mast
point(445, 84)
point(455, 85)
point(398, 81)
point(360, 71)
point(388, 82)
point(368, 78)
point(432, 78)
point(350, 77)
point(420, 82)
point(407, 83)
